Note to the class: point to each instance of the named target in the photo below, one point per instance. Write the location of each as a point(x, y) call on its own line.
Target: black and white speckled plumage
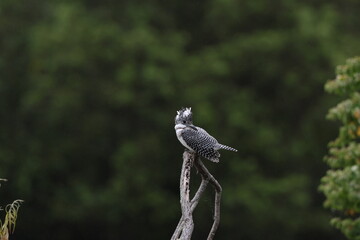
point(197, 139)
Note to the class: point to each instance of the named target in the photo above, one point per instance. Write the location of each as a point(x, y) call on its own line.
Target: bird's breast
point(179, 128)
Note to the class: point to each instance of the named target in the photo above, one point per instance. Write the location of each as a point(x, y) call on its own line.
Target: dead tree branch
point(185, 226)
point(205, 174)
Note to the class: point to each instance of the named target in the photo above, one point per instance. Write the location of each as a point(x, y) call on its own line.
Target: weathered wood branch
point(193, 204)
point(185, 196)
point(185, 226)
point(205, 174)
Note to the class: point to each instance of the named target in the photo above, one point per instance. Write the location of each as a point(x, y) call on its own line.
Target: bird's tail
point(227, 148)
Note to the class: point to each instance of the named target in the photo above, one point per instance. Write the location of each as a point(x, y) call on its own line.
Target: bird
point(196, 139)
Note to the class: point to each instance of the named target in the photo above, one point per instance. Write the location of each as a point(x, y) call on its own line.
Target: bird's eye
point(184, 122)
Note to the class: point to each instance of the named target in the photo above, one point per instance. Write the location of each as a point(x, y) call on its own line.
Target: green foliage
point(350, 227)
point(347, 78)
point(341, 185)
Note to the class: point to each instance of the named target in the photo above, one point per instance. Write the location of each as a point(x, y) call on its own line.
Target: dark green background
point(88, 95)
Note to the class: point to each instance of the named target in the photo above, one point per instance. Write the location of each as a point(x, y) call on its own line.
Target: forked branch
point(185, 226)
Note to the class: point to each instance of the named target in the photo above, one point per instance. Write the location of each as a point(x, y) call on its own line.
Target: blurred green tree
point(341, 185)
point(89, 90)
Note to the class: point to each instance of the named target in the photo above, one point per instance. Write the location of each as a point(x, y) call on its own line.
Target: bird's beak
point(192, 126)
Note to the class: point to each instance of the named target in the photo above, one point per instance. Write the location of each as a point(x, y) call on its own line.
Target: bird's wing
point(202, 143)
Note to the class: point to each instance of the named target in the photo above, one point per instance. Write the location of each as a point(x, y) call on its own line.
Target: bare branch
point(200, 191)
point(193, 205)
point(207, 175)
point(185, 226)
point(185, 196)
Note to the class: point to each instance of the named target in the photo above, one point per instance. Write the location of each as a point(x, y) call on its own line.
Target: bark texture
point(185, 226)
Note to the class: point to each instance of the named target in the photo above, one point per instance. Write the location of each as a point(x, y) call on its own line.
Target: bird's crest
point(184, 114)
